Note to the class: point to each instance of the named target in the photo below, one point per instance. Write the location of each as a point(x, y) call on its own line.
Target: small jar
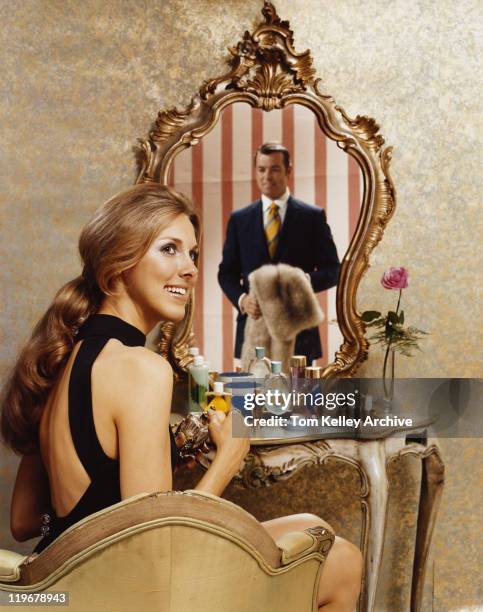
point(313, 372)
point(298, 363)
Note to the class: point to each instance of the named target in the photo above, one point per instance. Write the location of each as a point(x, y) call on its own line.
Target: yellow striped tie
point(272, 229)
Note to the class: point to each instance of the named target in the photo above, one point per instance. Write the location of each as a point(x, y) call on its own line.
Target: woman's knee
point(308, 519)
point(346, 551)
point(341, 579)
point(293, 522)
point(348, 556)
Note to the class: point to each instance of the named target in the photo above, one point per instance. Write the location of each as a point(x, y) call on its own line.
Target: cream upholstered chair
point(174, 552)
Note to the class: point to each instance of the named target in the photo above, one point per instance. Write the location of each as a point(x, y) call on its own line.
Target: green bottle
point(197, 384)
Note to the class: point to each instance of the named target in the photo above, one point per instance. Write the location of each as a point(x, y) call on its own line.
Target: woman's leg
point(340, 582)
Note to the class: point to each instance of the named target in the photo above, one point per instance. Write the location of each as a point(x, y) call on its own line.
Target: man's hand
point(250, 306)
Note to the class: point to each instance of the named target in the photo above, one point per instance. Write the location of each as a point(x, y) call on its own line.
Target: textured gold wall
point(81, 80)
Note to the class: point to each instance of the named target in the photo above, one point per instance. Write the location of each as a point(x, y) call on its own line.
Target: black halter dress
point(104, 488)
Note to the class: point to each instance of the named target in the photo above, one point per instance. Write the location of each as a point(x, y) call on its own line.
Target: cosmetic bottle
point(297, 368)
point(313, 372)
point(194, 351)
point(312, 376)
point(212, 374)
point(197, 384)
point(218, 399)
point(259, 366)
point(277, 389)
point(298, 363)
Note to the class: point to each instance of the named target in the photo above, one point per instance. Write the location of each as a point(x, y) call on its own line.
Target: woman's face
point(160, 284)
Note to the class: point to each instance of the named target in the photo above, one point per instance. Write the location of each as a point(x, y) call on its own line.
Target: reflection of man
point(276, 229)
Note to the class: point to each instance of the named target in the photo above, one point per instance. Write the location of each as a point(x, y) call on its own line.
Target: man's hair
point(273, 147)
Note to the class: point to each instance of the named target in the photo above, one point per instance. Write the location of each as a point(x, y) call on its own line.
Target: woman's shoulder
point(136, 360)
point(134, 374)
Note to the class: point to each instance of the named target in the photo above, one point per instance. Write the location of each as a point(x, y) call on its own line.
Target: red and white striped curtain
point(218, 175)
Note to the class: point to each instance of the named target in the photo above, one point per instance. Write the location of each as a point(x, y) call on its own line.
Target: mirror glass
point(218, 174)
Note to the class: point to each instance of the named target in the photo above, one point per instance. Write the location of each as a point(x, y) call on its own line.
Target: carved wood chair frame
point(266, 72)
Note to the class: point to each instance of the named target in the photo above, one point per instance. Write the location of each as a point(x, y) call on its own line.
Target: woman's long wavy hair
point(114, 240)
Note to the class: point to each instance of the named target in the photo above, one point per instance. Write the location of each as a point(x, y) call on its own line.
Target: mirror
point(271, 93)
point(219, 175)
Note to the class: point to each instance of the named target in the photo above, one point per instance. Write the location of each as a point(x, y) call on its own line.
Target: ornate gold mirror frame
point(266, 72)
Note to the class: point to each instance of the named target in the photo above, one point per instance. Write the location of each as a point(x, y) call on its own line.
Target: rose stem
point(388, 349)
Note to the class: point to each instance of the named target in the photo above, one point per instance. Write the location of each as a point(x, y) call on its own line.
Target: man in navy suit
point(276, 229)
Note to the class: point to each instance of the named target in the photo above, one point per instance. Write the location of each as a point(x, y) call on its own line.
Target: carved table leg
point(432, 480)
point(372, 457)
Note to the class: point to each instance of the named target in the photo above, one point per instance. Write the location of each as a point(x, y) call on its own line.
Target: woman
point(88, 406)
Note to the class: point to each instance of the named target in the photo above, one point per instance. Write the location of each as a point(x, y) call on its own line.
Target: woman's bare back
point(67, 476)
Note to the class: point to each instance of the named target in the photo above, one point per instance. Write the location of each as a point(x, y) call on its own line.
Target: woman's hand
point(230, 453)
point(188, 461)
point(232, 450)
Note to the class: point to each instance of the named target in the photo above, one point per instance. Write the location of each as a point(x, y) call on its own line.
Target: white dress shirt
point(281, 202)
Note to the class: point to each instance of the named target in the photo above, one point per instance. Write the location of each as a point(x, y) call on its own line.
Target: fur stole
point(288, 306)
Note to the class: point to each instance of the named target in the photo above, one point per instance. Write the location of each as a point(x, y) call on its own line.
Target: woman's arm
point(230, 453)
point(143, 384)
point(30, 499)
point(141, 404)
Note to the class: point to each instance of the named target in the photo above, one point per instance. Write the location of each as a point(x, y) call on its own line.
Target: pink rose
point(395, 278)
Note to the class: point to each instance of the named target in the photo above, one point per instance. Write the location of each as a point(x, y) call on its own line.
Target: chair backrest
point(175, 552)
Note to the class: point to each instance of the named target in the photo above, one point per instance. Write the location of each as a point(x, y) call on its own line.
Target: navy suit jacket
point(305, 242)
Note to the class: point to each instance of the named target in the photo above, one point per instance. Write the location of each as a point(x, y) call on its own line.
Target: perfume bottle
point(218, 399)
point(212, 374)
point(277, 389)
point(313, 372)
point(197, 384)
point(259, 366)
point(312, 377)
point(298, 363)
